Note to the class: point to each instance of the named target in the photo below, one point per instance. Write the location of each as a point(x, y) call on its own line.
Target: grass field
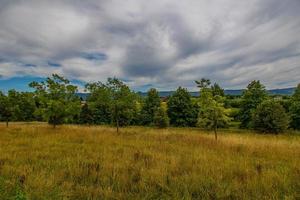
point(76, 162)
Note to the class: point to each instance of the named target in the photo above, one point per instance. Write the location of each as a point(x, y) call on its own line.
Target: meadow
point(96, 162)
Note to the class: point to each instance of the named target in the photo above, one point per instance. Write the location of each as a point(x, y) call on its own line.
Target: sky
point(158, 43)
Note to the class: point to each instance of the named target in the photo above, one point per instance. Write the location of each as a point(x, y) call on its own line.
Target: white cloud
point(164, 43)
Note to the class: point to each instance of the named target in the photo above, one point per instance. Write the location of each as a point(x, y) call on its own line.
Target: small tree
point(6, 108)
point(161, 119)
point(181, 109)
point(212, 114)
point(270, 117)
point(150, 107)
point(251, 98)
point(57, 98)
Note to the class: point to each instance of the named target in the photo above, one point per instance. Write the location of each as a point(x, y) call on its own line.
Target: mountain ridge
point(282, 91)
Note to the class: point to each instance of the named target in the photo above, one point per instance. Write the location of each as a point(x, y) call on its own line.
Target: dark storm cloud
point(159, 43)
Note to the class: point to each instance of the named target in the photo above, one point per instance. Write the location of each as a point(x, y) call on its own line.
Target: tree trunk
point(54, 125)
point(6, 123)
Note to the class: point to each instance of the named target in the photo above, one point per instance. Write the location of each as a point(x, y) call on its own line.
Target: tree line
point(114, 103)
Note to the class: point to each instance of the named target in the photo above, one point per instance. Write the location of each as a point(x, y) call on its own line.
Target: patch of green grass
point(81, 162)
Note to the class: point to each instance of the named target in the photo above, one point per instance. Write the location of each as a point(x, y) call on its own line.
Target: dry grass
point(76, 162)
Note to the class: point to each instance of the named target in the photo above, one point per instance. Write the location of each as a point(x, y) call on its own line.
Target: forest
point(55, 101)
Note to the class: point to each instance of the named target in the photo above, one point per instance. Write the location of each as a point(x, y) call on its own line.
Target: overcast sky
point(151, 43)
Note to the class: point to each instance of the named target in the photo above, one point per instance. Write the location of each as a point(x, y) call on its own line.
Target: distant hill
point(283, 91)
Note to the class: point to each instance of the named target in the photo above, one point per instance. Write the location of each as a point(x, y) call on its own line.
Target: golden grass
point(78, 162)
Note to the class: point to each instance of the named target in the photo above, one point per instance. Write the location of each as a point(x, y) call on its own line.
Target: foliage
point(270, 117)
point(150, 107)
point(58, 102)
point(23, 105)
point(99, 102)
point(295, 115)
point(212, 114)
point(294, 109)
point(181, 109)
point(251, 98)
point(113, 101)
point(85, 116)
point(6, 109)
point(161, 119)
point(217, 90)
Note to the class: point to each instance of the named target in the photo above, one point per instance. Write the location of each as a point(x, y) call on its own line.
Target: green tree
point(270, 117)
point(251, 98)
point(99, 103)
point(86, 115)
point(58, 100)
point(6, 109)
point(296, 95)
point(212, 114)
point(217, 90)
point(181, 110)
point(124, 102)
point(161, 119)
point(23, 105)
point(294, 109)
point(150, 106)
point(114, 100)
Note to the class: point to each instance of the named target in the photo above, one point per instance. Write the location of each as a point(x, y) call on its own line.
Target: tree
point(251, 98)
point(296, 95)
point(150, 107)
point(294, 109)
point(181, 110)
point(270, 117)
point(294, 112)
point(212, 114)
point(58, 100)
point(23, 105)
point(217, 90)
point(85, 116)
point(6, 110)
point(114, 100)
point(161, 119)
point(124, 104)
point(99, 103)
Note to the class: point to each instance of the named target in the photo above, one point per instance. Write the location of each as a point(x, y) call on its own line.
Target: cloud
point(159, 43)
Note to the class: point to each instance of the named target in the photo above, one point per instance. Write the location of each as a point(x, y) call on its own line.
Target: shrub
point(161, 119)
point(270, 117)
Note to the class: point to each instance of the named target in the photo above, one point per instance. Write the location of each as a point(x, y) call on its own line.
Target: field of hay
point(78, 162)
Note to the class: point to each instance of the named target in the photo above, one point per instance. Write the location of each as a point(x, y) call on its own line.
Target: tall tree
point(150, 106)
point(270, 117)
point(212, 114)
point(115, 100)
point(294, 109)
point(181, 110)
point(58, 100)
point(251, 98)
point(6, 109)
point(23, 105)
point(99, 103)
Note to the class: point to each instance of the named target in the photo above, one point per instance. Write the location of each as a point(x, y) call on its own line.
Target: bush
point(161, 119)
point(270, 117)
point(295, 115)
